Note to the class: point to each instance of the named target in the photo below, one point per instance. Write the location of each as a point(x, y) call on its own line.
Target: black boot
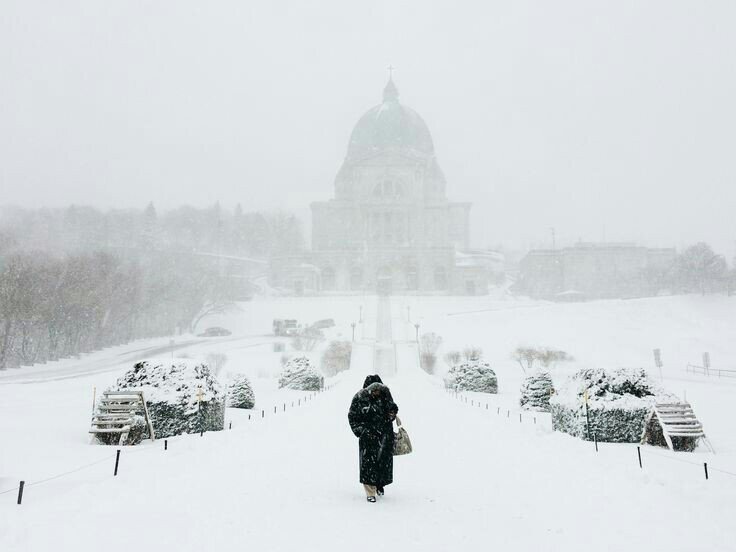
point(380, 491)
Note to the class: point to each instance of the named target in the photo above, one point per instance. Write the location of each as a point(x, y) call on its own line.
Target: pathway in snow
point(476, 481)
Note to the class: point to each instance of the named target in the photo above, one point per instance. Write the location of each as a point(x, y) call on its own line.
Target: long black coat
point(370, 420)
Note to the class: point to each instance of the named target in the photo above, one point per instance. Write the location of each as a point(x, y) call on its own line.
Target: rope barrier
point(463, 400)
point(128, 451)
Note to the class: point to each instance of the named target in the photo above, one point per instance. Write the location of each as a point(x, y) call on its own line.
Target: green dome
point(390, 126)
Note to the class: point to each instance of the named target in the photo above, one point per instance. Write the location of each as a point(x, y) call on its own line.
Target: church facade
point(389, 227)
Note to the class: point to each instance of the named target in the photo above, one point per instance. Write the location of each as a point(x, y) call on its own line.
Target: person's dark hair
point(375, 378)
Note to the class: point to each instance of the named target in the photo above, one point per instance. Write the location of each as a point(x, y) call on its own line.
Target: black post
point(508, 413)
point(284, 407)
point(638, 452)
point(263, 413)
point(231, 425)
point(299, 402)
point(166, 444)
point(519, 417)
point(117, 462)
point(201, 432)
point(23, 484)
point(587, 419)
point(249, 416)
point(705, 466)
point(274, 410)
point(535, 419)
point(498, 410)
point(595, 439)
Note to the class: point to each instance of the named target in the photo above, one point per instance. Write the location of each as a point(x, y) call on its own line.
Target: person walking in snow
point(371, 417)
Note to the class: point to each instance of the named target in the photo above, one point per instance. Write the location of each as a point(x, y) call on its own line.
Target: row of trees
point(56, 307)
point(211, 230)
point(699, 269)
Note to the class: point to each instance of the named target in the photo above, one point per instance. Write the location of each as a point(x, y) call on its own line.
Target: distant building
point(390, 226)
point(594, 270)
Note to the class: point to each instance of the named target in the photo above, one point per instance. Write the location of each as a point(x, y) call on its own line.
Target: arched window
point(328, 278)
point(388, 189)
point(440, 278)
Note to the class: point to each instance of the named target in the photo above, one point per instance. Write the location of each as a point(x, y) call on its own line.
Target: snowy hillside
point(481, 477)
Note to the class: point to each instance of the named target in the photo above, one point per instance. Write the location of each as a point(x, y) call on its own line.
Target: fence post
point(519, 417)
point(231, 425)
point(23, 484)
point(595, 440)
point(705, 466)
point(166, 444)
point(117, 462)
point(638, 452)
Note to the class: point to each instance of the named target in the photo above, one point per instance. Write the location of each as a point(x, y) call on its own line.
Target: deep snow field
point(478, 479)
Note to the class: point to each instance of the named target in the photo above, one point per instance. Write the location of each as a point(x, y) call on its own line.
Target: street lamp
point(353, 326)
point(416, 327)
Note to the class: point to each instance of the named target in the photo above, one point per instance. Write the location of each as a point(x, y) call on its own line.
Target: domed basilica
point(390, 227)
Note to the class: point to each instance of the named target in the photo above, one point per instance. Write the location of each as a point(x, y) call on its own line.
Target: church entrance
point(384, 281)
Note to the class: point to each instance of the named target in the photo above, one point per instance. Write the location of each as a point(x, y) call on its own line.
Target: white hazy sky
point(608, 119)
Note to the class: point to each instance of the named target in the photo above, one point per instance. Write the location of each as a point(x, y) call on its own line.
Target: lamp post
point(353, 326)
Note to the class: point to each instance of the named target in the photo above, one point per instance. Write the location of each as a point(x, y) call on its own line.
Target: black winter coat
point(370, 420)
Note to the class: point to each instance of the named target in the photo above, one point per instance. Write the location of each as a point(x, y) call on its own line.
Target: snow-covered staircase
point(668, 420)
point(116, 412)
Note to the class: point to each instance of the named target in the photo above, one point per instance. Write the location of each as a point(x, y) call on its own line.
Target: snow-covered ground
point(477, 479)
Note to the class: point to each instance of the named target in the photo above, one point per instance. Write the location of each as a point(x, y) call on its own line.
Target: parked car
point(215, 332)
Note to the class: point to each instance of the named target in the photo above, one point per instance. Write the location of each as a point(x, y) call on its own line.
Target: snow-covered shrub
point(476, 375)
point(240, 392)
point(336, 357)
point(216, 362)
point(182, 395)
point(299, 374)
point(618, 403)
point(536, 391)
point(429, 343)
point(472, 353)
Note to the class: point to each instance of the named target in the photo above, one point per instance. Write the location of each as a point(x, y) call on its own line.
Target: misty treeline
point(55, 307)
point(75, 280)
point(207, 230)
point(698, 269)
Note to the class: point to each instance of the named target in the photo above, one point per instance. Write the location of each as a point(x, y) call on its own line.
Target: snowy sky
point(606, 120)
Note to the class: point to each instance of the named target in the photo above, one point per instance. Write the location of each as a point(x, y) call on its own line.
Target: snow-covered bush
point(182, 395)
point(618, 403)
point(476, 375)
point(216, 362)
point(336, 357)
point(536, 391)
point(240, 392)
point(429, 343)
point(299, 374)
